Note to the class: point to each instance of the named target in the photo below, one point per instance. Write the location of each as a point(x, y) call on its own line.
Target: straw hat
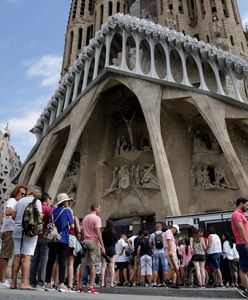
point(62, 198)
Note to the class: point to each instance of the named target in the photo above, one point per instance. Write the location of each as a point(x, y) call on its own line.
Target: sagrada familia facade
point(151, 114)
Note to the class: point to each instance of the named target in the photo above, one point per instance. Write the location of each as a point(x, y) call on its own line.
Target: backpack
point(31, 220)
point(159, 244)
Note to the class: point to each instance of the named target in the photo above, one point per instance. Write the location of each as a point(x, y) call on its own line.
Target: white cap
point(177, 227)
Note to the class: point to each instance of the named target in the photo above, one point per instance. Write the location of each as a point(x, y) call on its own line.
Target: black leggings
point(60, 250)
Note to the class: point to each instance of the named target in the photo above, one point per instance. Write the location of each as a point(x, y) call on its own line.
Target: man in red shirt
point(240, 231)
point(91, 227)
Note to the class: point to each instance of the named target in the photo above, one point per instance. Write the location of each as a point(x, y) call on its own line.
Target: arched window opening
point(180, 7)
point(232, 40)
point(124, 8)
point(89, 34)
point(91, 7)
point(192, 12)
point(110, 8)
point(74, 10)
point(118, 7)
point(196, 35)
point(161, 7)
point(208, 40)
point(242, 46)
point(101, 14)
point(80, 37)
point(70, 47)
point(213, 6)
point(171, 7)
point(203, 12)
point(234, 8)
point(225, 8)
point(82, 8)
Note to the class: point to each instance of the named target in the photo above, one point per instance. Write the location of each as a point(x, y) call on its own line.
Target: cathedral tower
point(213, 21)
point(85, 18)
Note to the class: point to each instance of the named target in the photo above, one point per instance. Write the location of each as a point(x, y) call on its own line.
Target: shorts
point(214, 260)
point(235, 265)
point(92, 256)
point(121, 265)
point(110, 250)
point(145, 265)
point(198, 257)
point(170, 262)
point(7, 245)
point(25, 246)
point(243, 258)
point(159, 259)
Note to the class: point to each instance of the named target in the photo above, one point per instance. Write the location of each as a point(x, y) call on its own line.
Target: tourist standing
point(156, 243)
point(240, 231)
point(214, 251)
point(7, 228)
point(171, 253)
point(199, 256)
point(24, 246)
point(91, 227)
point(109, 240)
point(40, 257)
point(62, 216)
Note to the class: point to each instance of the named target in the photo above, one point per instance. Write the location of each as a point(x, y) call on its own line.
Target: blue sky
point(32, 36)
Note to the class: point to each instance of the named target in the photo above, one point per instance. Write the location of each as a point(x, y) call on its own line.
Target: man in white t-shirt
point(8, 223)
point(121, 259)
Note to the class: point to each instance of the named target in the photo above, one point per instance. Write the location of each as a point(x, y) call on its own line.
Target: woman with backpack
point(62, 216)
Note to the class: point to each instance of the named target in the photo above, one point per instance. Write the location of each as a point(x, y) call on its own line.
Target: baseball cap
point(44, 196)
point(177, 227)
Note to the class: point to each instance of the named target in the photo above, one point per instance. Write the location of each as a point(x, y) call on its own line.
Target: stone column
point(78, 122)
point(149, 96)
point(213, 113)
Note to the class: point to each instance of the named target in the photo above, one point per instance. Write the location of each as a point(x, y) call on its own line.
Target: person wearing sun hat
point(62, 216)
point(171, 252)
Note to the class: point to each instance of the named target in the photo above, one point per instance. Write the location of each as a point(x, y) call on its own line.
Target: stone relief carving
point(207, 177)
point(142, 176)
point(171, 21)
point(204, 143)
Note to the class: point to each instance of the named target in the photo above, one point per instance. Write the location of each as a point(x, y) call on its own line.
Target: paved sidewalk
point(122, 293)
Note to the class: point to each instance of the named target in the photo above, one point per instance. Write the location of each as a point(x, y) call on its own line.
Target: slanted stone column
point(149, 96)
point(213, 113)
point(78, 122)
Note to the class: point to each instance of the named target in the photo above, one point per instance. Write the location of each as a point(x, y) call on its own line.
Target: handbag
point(52, 234)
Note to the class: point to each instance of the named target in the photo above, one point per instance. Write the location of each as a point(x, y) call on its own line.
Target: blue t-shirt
point(63, 222)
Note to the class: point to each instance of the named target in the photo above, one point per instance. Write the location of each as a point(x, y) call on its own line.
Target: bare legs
point(23, 262)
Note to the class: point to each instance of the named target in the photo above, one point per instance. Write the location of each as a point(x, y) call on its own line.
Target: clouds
point(47, 68)
point(245, 20)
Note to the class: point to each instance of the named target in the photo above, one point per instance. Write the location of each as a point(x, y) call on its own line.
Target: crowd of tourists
point(85, 255)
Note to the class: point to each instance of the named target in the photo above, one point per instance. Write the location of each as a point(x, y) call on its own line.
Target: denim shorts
point(159, 260)
point(214, 260)
point(243, 258)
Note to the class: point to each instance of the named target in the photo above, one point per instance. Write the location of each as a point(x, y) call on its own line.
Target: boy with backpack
point(156, 243)
point(28, 223)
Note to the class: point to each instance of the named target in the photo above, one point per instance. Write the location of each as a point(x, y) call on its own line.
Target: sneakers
point(92, 291)
point(4, 285)
point(49, 288)
point(39, 287)
point(242, 291)
point(174, 286)
point(63, 289)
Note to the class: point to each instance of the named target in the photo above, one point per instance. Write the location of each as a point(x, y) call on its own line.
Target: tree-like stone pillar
point(213, 113)
point(149, 96)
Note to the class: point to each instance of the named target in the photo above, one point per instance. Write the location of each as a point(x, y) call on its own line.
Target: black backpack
point(159, 244)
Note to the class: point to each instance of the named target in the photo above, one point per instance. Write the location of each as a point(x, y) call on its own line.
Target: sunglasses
point(23, 194)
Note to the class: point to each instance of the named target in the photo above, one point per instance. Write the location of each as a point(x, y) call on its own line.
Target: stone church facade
point(151, 114)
